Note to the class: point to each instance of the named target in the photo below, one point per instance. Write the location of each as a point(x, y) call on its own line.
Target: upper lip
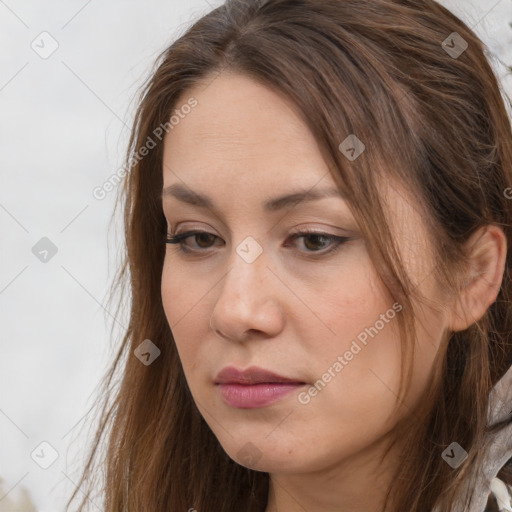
point(252, 375)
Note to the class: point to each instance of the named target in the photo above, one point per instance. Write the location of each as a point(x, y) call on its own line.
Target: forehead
point(246, 141)
point(241, 128)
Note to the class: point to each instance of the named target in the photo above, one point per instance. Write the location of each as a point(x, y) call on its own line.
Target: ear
point(487, 250)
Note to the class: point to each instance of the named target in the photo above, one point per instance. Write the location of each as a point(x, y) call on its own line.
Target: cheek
point(185, 310)
point(171, 299)
point(184, 293)
point(353, 303)
point(362, 350)
point(357, 367)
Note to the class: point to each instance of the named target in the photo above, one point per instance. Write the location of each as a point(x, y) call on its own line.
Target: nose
point(250, 301)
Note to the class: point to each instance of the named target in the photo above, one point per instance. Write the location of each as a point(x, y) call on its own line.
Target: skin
point(286, 311)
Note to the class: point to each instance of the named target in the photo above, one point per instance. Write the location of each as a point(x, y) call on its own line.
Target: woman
point(326, 323)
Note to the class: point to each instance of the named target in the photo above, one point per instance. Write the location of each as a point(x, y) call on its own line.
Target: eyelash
point(180, 238)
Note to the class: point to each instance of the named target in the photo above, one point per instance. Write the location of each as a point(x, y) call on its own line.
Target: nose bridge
point(246, 298)
point(248, 266)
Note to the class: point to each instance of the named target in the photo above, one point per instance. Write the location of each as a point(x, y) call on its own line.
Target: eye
point(312, 241)
point(203, 236)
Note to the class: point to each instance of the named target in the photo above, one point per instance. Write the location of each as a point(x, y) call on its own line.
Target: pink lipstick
point(254, 387)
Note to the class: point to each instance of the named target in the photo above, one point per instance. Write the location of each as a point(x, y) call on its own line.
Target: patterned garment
point(495, 466)
point(500, 497)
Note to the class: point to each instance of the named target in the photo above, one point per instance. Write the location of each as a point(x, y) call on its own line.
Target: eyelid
point(298, 230)
point(320, 229)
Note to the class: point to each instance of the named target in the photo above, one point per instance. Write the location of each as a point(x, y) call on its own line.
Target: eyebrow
point(188, 196)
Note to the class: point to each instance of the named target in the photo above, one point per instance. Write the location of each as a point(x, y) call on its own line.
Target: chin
point(270, 456)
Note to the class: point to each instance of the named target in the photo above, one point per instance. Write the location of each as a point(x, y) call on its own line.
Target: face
point(308, 307)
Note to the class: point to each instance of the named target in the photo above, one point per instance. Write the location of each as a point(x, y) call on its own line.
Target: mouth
point(254, 387)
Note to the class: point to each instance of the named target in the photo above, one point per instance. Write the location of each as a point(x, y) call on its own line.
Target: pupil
point(314, 238)
point(198, 238)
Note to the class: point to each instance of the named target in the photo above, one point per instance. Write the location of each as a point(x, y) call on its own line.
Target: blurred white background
point(65, 121)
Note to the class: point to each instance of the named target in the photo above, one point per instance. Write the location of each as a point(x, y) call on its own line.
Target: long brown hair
point(436, 121)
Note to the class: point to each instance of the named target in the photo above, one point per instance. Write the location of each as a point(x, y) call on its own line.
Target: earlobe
point(487, 250)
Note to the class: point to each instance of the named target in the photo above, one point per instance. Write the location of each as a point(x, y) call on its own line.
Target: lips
point(252, 375)
point(254, 387)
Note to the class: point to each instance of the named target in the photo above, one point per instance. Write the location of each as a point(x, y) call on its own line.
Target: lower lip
point(253, 396)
